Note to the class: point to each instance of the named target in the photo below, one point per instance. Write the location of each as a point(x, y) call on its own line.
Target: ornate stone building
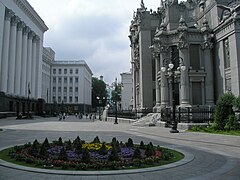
point(202, 35)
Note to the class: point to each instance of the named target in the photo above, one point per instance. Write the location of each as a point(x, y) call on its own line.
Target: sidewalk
point(215, 156)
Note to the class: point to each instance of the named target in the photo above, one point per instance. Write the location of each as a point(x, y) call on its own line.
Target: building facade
point(71, 84)
point(126, 91)
point(21, 46)
point(142, 31)
point(204, 36)
point(66, 85)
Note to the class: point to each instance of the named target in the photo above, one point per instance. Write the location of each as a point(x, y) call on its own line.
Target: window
point(70, 89)
point(59, 89)
point(76, 79)
point(59, 71)
point(65, 89)
point(194, 56)
point(65, 71)
point(65, 98)
point(54, 98)
point(71, 79)
point(54, 89)
point(76, 71)
point(59, 80)
point(70, 98)
point(196, 93)
point(54, 79)
point(76, 89)
point(54, 71)
point(59, 98)
point(71, 71)
point(226, 52)
point(65, 80)
point(76, 98)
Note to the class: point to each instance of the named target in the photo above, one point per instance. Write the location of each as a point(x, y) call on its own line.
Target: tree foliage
point(98, 90)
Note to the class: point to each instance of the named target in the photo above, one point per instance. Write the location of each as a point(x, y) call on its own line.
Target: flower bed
point(95, 155)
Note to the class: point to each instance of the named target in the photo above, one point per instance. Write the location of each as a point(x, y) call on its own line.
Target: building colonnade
point(20, 51)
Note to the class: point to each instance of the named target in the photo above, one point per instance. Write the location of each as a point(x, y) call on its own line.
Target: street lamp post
point(116, 93)
point(171, 72)
point(99, 113)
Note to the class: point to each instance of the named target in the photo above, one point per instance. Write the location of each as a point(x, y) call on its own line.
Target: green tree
point(116, 93)
point(98, 90)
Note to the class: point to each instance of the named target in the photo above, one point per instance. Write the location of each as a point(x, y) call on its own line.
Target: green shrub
point(223, 110)
point(86, 156)
point(46, 143)
point(69, 145)
point(129, 143)
point(63, 155)
point(96, 140)
point(232, 123)
point(60, 142)
point(113, 155)
point(236, 102)
point(137, 154)
point(149, 150)
point(142, 145)
point(103, 149)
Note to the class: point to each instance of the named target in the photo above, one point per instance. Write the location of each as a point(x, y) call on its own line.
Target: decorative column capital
point(206, 45)
point(26, 29)
point(8, 14)
point(164, 48)
point(20, 26)
point(36, 39)
point(31, 34)
point(15, 20)
point(183, 45)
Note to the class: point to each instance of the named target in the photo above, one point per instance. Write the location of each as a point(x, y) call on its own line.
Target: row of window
point(65, 80)
point(65, 89)
point(59, 100)
point(65, 71)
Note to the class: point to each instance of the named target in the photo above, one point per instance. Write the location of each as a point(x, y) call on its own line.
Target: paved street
point(214, 156)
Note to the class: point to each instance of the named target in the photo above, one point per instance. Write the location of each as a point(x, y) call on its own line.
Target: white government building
point(26, 68)
point(66, 82)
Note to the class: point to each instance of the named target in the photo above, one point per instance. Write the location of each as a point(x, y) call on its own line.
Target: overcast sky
point(92, 30)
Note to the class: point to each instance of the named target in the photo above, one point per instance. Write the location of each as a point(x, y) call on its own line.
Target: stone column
point(185, 86)
point(157, 68)
point(208, 64)
point(18, 58)
point(12, 54)
point(164, 83)
point(5, 51)
point(34, 69)
point(29, 60)
point(134, 86)
point(23, 83)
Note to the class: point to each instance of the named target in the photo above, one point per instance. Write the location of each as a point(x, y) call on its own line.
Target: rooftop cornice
point(31, 13)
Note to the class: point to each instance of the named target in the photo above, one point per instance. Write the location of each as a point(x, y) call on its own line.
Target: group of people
point(62, 116)
point(80, 116)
